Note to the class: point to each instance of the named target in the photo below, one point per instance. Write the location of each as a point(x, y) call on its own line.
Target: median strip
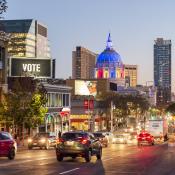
point(65, 172)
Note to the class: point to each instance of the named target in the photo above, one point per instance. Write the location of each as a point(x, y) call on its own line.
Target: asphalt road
point(117, 160)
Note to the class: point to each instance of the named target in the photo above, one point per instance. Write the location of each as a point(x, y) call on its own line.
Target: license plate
point(69, 143)
point(34, 143)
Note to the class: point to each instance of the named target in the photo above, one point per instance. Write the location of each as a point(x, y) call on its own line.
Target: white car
point(119, 139)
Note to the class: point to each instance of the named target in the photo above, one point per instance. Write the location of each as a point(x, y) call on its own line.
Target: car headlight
point(29, 140)
point(121, 139)
point(113, 139)
point(43, 140)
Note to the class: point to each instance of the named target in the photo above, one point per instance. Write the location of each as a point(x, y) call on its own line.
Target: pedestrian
point(59, 134)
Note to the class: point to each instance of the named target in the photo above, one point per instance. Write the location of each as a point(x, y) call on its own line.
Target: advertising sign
point(85, 87)
point(32, 67)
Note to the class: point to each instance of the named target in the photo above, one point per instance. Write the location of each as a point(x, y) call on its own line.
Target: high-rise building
point(162, 70)
point(83, 63)
point(131, 74)
point(28, 38)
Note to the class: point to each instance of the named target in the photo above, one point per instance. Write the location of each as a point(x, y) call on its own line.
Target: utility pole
point(111, 116)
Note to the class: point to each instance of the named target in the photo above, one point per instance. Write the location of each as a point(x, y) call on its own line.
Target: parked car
point(8, 146)
point(78, 144)
point(102, 138)
point(42, 140)
point(145, 138)
point(120, 138)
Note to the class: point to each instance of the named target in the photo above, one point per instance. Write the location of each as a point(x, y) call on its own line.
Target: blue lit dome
point(109, 57)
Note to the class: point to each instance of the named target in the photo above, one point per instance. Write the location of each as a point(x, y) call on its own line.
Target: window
point(5, 136)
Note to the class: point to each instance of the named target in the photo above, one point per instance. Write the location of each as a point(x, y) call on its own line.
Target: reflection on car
point(42, 140)
point(78, 144)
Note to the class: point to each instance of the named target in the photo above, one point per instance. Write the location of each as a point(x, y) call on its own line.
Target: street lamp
point(112, 116)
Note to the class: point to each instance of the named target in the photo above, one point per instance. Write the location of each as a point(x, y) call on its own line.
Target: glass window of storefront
point(57, 100)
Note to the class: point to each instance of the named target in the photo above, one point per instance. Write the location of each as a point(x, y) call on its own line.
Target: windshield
point(41, 135)
point(5, 136)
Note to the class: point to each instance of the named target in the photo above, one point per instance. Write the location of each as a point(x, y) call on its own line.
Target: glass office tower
point(28, 38)
point(162, 70)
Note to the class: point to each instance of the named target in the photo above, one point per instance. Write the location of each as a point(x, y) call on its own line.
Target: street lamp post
point(111, 116)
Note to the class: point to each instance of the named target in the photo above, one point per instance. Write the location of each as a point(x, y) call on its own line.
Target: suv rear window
point(68, 136)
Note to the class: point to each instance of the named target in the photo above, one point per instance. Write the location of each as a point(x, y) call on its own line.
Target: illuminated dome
point(109, 57)
point(109, 63)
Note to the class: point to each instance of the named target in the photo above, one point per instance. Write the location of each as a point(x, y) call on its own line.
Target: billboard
point(83, 87)
point(30, 67)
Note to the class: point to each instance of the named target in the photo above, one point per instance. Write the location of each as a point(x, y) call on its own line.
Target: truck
point(159, 129)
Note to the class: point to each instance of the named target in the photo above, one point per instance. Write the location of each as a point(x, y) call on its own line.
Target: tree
point(124, 105)
point(37, 109)
point(22, 107)
point(3, 6)
point(171, 108)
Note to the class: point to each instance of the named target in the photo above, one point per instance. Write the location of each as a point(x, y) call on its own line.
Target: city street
point(117, 160)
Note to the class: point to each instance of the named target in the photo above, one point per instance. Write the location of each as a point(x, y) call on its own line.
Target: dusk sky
point(134, 25)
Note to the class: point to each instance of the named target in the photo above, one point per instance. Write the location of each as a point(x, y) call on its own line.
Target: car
point(78, 144)
point(42, 140)
point(145, 138)
point(8, 146)
point(102, 138)
point(109, 136)
point(119, 138)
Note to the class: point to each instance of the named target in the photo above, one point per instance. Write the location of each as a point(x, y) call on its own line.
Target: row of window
point(58, 100)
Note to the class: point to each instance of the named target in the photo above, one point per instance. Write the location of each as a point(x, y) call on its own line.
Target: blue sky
point(134, 25)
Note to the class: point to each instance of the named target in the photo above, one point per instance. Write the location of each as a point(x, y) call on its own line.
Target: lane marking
point(107, 159)
point(23, 161)
point(65, 172)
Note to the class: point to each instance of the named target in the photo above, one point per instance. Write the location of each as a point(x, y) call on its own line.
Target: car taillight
point(60, 140)
point(138, 137)
point(83, 141)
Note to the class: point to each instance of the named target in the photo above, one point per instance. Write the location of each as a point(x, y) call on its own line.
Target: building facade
point(28, 38)
point(130, 75)
point(162, 70)
point(83, 63)
point(109, 65)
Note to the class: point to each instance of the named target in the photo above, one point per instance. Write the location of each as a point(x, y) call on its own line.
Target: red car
point(145, 138)
point(8, 146)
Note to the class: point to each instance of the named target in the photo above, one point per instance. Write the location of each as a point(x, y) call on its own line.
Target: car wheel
point(88, 156)
point(99, 155)
point(60, 157)
point(11, 155)
point(29, 147)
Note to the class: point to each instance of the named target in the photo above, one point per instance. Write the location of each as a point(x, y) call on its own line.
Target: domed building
point(109, 64)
